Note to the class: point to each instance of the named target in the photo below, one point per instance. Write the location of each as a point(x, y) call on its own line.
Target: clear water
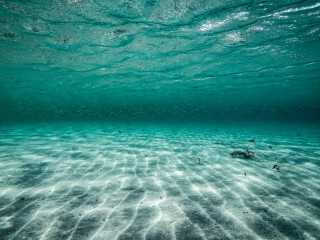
point(118, 119)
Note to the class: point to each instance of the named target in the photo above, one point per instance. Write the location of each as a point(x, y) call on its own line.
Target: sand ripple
point(146, 183)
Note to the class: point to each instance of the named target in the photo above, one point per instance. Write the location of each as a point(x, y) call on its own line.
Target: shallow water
point(168, 59)
point(118, 119)
point(131, 181)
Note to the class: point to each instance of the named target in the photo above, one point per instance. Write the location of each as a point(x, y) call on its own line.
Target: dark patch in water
point(242, 154)
point(9, 35)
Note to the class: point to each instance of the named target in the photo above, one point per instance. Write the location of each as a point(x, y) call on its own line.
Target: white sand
point(92, 182)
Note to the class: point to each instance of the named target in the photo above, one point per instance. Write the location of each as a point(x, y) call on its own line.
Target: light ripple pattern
point(138, 59)
point(129, 181)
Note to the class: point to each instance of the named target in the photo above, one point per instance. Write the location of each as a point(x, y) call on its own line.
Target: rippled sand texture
point(146, 183)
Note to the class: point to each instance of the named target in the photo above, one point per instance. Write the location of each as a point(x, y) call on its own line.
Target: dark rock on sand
point(242, 154)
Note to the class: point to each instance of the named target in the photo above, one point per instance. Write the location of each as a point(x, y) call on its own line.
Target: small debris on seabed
point(277, 167)
point(199, 161)
point(245, 174)
point(252, 140)
point(270, 146)
point(242, 154)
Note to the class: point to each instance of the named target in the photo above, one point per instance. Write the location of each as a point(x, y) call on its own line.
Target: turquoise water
point(172, 119)
point(142, 181)
point(159, 60)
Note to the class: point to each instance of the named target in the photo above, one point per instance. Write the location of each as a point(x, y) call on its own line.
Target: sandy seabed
point(87, 181)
